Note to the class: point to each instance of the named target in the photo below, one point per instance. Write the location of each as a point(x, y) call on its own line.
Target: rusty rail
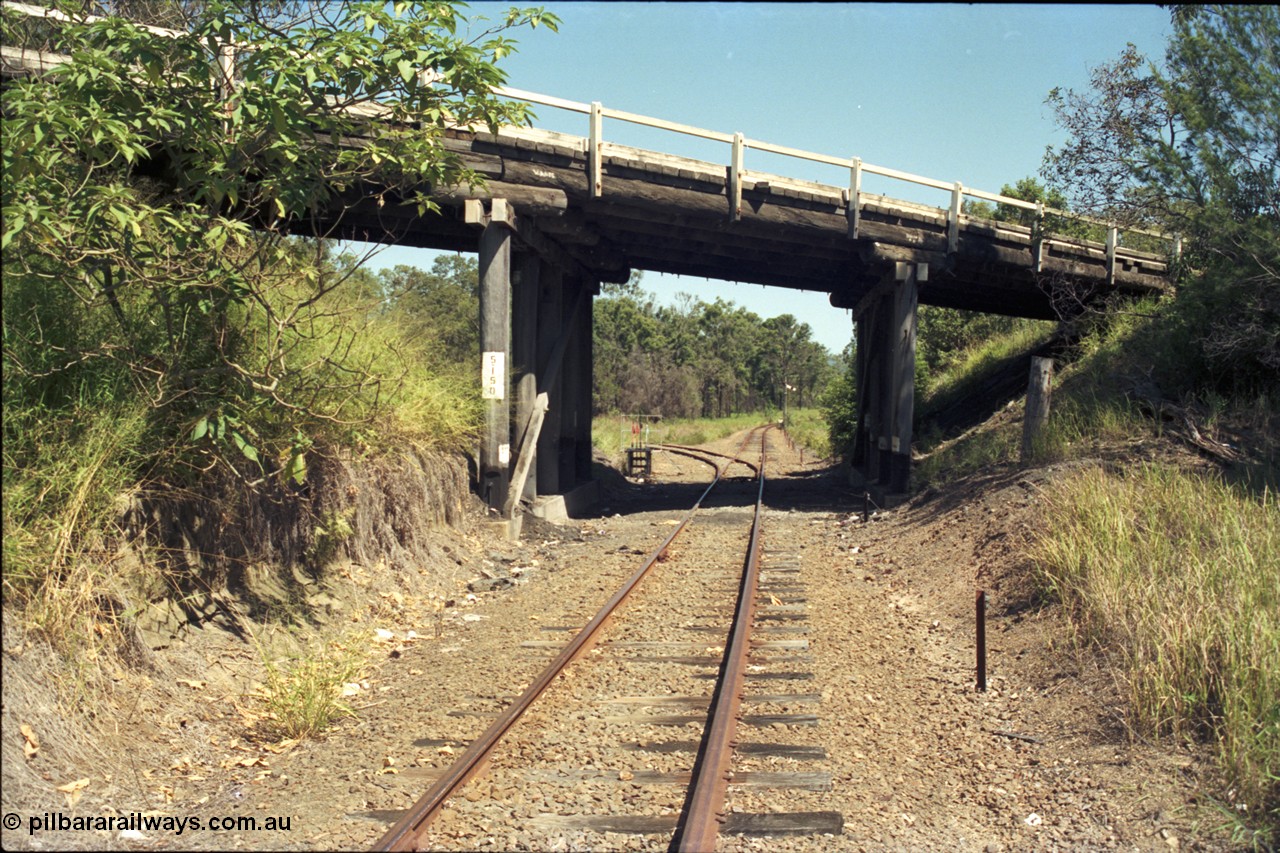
point(403, 835)
point(704, 806)
point(700, 454)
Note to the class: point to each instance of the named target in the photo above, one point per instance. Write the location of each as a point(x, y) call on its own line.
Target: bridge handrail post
point(595, 150)
point(953, 218)
point(1113, 240)
point(735, 178)
point(1037, 237)
point(855, 197)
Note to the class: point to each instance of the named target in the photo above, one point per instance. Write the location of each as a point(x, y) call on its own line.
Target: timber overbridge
point(558, 214)
point(581, 210)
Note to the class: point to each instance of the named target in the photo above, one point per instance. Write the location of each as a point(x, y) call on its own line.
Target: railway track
point(631, 728)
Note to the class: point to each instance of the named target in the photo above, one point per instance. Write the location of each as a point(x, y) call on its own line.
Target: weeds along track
point(626, 738)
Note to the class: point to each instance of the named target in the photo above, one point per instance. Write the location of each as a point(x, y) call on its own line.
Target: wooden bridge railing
point(595, 148)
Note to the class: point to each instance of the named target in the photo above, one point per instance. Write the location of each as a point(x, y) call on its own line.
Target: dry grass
point(304, 694)
point(1175, 574)
point(60, 573)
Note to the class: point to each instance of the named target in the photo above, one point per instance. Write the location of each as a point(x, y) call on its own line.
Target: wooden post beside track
point(1037, 412)
point(982, 640)
point(495, 353)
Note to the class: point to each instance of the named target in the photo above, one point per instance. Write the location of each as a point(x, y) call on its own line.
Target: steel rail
point(403, 835)
point(704, 806)
point(698, 453)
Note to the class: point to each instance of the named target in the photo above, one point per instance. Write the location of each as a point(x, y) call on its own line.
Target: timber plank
point(784, 823)
point(624, 824)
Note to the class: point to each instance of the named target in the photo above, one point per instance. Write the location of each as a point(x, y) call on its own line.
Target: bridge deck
point(671, 214)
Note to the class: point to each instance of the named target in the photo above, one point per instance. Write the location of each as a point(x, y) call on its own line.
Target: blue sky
point(947, 91)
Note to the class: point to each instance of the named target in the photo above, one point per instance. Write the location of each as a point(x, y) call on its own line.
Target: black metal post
point(982, 640)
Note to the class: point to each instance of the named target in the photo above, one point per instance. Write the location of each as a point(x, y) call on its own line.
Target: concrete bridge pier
point(885, 351)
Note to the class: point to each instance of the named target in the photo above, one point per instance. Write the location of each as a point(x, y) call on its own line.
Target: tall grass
point(1178, 576)
point(92, 411)
point(965, 370)
point(993, 444)
point(62, 476)
point(1082, 421)
point(809, 429)
point(352, 373)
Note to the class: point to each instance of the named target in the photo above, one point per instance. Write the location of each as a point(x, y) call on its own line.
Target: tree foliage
point(839, 402)
point(700, 359)
point(1222, 182)
point(442, 305)
point(1193, 147)
point(1030, 189)
point(1109, 127)
point(148, 195)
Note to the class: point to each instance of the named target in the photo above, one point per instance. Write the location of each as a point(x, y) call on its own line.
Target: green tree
point(1110, 128)
point(839, 404)
point(1194, 147)
point(148, 195)
point(623, 331)
point(160, 323)
point(728, 340)
point(1220, 183)
point(698, 358)
point(442, 305)
point(1030, 189)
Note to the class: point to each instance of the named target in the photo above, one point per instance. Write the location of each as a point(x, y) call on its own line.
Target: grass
point(965, 374)
point(809, 429)
point(994, 444)
point(1175, 574)
point(612, 433)
point(1172, 573)
point(965, 371)
point(1091, 404)
point(62, 476)
point(304, 694)
point(82, 434)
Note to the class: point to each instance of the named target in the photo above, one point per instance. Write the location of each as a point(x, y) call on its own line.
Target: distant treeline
point(701, 359)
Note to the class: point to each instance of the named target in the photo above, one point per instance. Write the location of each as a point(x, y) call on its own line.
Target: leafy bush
point(158, 321)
